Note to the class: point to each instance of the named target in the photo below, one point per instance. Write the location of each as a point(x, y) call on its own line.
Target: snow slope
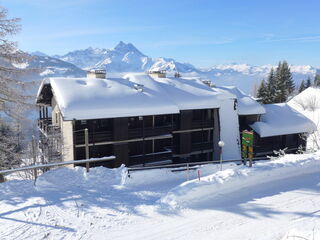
point(273, 200)
point(308, 104)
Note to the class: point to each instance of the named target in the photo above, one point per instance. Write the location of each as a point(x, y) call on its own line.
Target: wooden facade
point(266, 146)
point(144, 140)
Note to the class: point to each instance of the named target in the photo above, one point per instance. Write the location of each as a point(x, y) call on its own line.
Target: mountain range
point(125, 57)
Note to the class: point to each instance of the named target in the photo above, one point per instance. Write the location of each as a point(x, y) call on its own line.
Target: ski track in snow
point(71, 204)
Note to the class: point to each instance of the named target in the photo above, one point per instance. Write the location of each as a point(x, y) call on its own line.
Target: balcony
point(149, 132)
point(46, 127)
point(202, 124)
point(94, 137)
point(201, 146)
point(150, 158)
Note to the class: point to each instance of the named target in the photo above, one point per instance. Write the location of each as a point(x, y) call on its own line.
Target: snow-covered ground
point(308, 104)
point(276, 199)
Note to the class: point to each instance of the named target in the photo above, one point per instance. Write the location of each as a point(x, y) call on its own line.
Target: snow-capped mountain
point(85, 58)
point(38, 53)
point(125, 57)
point(246, 76)
point(46, 66)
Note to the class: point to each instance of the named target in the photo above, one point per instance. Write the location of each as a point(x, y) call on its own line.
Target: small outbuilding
point(281, 127)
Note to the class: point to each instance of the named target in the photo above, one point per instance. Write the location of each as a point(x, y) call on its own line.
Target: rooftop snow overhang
point(281, 119)
point(44, 95)
point(84, 98)
point(246, 104)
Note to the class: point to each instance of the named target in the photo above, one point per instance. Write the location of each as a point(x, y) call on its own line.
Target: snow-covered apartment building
point(153, 119)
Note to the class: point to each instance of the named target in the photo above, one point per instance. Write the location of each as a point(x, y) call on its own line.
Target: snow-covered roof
point(187, 93)
point(281, 119)
point(84, 98)
point(246, 104)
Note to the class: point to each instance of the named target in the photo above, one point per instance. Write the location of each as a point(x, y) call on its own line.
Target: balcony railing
point(149, 158)
point(148, 132)
point(201, 146)
point(94, 137)
point(202, 124)
point(46, 127)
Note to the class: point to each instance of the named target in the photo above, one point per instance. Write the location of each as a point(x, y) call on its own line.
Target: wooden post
point(250, 154)
point(40, 113)
point(86, 140)
point(2, 179)
point(187, 171)
point(34, 156)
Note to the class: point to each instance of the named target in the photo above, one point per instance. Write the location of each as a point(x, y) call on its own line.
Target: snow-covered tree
point(271, 86)
point(266, 91)
point(279, 85)
point(284, 83)
point(263, 91)
point(287, 78)
point(13, 101)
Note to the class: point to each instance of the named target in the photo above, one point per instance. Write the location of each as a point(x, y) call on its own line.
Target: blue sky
point(202, 32)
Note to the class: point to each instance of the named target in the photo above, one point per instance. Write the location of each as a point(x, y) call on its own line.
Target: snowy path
point(265, 211)
point(69, 204)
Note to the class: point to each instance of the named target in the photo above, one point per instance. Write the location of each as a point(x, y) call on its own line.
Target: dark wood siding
point(188, 136)
point(266, 146)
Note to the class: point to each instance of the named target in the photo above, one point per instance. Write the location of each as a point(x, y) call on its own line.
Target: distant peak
point(126, 47)
point(38, 53)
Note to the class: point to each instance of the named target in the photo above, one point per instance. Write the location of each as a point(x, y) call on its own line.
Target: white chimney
point(138, 87)
point(157, 73)
point(96, 73)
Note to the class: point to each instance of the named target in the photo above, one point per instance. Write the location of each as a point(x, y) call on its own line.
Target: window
point(197, 115)
point(135, 148)
point(57, 118)
point(135, 122)
point(163, 120)
point(162, 145)
point(197, 137)
point(103, 125)
point(83, 122)
point(209, 114)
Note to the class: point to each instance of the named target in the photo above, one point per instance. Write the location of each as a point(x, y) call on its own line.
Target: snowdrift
point(212, 186)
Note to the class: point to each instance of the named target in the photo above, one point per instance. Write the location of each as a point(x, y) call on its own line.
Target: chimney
point(157, 73)
point(177, 75)
point(96, 73)
point(138, 87)
point(208, 83)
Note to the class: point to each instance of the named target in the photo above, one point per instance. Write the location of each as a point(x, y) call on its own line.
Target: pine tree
point(263, 92)
point(316, 81)
point(280, 85)
point(302, 86)
point(271, 87)
point(284, 85)
point(288, 78)
point(12, 99)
